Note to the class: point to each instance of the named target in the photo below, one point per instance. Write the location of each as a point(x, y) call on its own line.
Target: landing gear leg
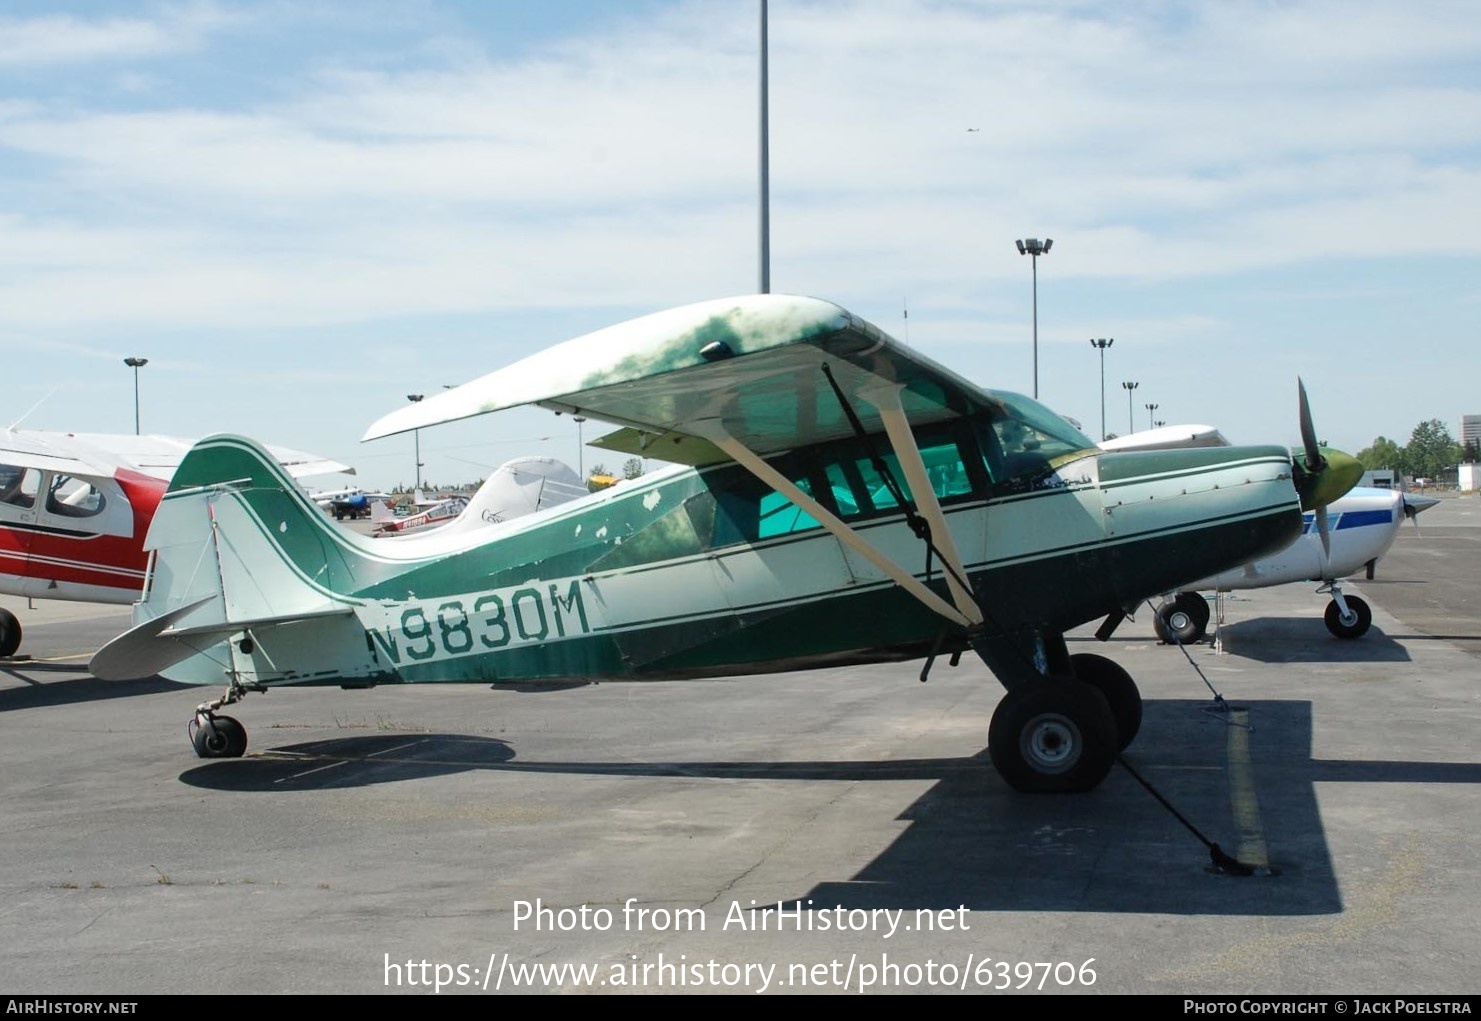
point(220, 737)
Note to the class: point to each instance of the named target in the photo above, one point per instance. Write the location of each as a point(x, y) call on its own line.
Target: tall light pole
point(1036, 248)
point(1102, 343)
point(417, 437)
point(136, 364)
point(765, 174)
point(1130, 425)
point(1151, 408)
point(580, 446)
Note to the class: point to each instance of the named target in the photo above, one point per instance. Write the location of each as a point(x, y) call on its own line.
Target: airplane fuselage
point(70, 537)
point(708, 572)
point(1361, 526)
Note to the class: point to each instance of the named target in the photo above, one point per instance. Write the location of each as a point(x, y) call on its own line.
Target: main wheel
point(220, 738)
point(1052, 737)
point(10, 633)
point(1120, 691)
point(1351, 625)
point(1182, 620)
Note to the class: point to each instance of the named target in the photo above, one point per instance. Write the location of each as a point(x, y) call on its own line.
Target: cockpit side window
point(18, 486)
point(841, 476)
point(71, 497)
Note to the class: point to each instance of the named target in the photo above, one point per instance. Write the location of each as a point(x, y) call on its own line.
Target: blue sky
point(302, 212)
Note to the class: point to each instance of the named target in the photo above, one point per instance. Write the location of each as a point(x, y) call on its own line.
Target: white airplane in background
point(516, 488)
point(1357, 530)
point(74, 509)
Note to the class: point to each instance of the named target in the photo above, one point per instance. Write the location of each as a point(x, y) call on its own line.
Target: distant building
point(1378, 478)
point(1470, 429)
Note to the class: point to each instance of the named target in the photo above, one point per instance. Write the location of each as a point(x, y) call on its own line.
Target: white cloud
point(67, 39)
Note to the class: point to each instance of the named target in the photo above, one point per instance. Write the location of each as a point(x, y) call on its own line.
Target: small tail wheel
point(218, 737)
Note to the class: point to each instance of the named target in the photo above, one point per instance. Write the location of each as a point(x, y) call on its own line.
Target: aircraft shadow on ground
point(38, 692)
point(974, 842)
point(1285, 640)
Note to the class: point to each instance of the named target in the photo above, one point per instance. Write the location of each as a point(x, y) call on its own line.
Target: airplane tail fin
point(519, 487)
point(381, 512)
point(241, 558)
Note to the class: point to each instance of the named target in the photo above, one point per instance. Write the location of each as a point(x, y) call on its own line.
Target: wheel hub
point(1051, 743)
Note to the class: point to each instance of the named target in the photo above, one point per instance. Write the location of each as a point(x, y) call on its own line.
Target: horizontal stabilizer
point(157, 644)
point(140, 651)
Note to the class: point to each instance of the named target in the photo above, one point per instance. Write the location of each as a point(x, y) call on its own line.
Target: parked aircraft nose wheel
point(10, 633)
point(217, 737)
point(1052, 737)
point(1353, 624)
point(1183, 620)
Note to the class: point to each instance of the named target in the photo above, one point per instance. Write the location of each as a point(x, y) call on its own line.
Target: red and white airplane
point(74, 510)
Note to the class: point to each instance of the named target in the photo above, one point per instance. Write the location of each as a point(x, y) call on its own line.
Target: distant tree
point(1384, 453)
point(632, 468)
point(1472, 452)
point(1431, 450)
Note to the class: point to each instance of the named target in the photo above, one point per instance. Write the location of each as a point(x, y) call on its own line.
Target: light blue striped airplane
point(1350, 535)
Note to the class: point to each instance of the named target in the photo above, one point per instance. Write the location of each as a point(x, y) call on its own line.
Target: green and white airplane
point(834, 498)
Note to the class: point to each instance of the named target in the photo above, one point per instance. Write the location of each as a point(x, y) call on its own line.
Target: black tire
point(1119, 690)
point(1052, 737)
point(1195, 605)
point(10, 633)
point(222, 738)
point(1183, 620)
point(1357, 626)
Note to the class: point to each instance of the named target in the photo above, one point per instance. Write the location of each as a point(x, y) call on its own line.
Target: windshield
point(1022, 439)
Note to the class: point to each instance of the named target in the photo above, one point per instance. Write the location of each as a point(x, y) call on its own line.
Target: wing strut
point(886, 400)
point(714, 431)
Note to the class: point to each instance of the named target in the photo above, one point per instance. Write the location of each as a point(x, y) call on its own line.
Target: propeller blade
point(1322, 475)
point(1314, 460)
point(1326, 534)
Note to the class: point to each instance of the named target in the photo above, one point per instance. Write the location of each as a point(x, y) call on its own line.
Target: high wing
point(743, 378)
point(101, 454)
point(753, 364)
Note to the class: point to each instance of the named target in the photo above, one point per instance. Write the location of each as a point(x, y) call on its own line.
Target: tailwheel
point(1352, 624)
point(1183, 620)
point(10, 633)
point(1120, 692)
point(1052, 737)
point(217, 737)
